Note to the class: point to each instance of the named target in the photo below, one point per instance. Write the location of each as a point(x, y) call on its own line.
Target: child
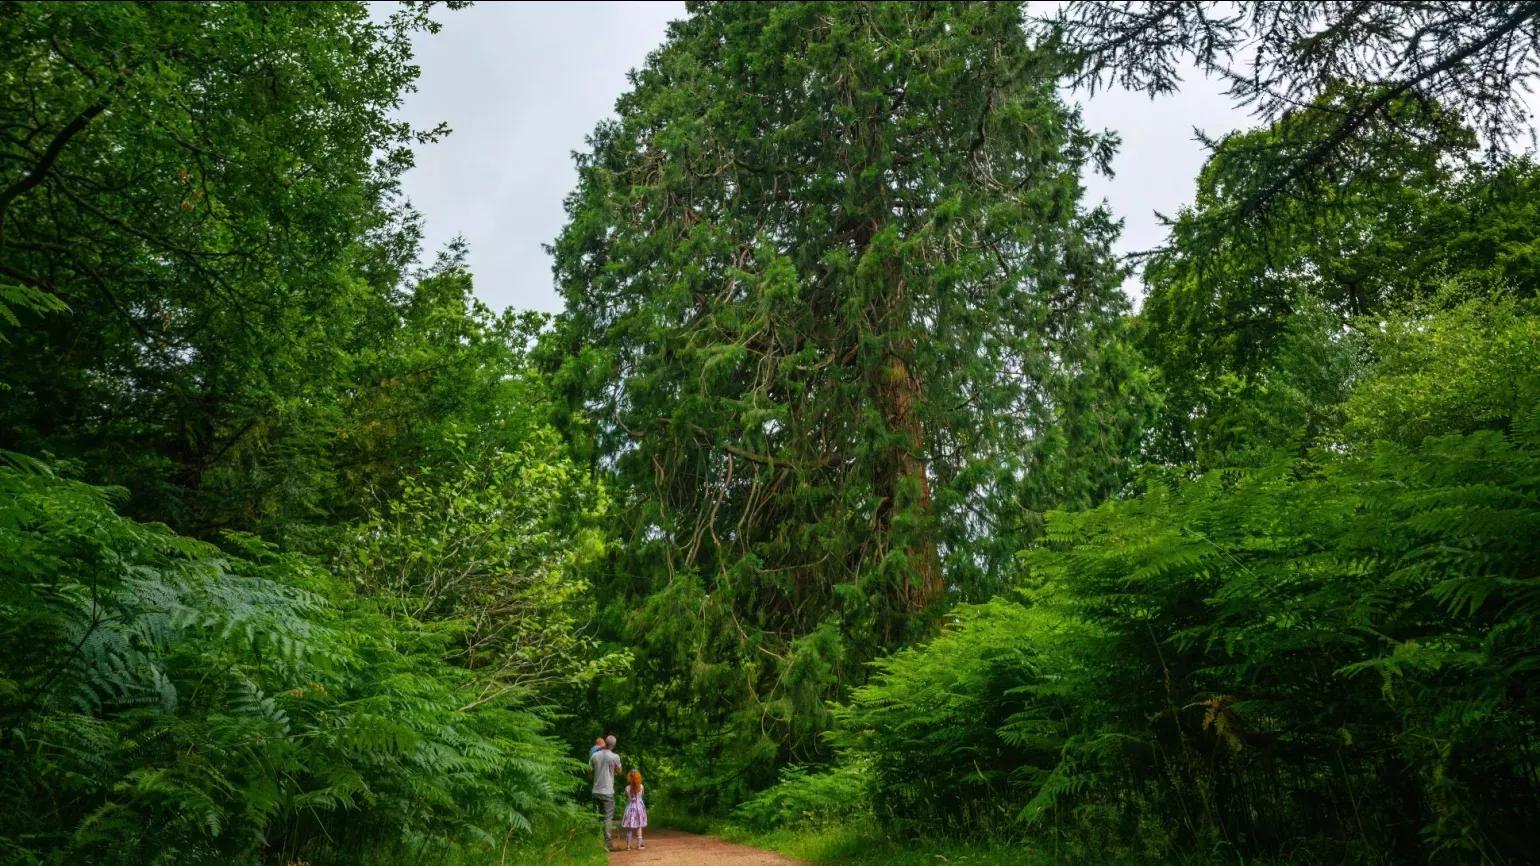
point(635, 817)
point(598, 744)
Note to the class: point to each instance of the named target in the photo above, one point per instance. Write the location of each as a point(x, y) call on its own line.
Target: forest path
point(688, 849)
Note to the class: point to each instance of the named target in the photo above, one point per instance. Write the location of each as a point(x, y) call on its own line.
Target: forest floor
point(854, 845)
point(689, 849)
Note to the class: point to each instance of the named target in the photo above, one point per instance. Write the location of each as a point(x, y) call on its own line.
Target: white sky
point(521, 84)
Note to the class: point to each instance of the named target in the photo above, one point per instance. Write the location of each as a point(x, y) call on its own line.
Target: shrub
point(164, 700)
point(806, 799)
point(1333, 654)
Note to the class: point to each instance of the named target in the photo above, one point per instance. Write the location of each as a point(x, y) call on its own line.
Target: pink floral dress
point(636, 811)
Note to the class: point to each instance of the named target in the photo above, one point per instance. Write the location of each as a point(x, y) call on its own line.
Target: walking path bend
point(687, 849)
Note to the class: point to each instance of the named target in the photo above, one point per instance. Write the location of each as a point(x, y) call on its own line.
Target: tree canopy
point(1285, 58)
point(241, 430)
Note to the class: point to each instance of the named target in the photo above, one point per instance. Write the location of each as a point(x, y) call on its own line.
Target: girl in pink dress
point(635, 817)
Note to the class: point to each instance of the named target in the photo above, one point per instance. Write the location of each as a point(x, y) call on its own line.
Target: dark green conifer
point(835, 313)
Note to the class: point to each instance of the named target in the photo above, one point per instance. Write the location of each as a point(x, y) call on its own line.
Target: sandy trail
point(688, 849)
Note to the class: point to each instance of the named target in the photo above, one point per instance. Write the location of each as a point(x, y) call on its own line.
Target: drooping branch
point(1281, 58)
point(45, 163)
point(752, 457)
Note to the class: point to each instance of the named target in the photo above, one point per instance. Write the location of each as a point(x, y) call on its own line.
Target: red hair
point(635, 778)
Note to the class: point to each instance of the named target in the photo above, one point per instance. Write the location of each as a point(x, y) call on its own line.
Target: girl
point(635, 817)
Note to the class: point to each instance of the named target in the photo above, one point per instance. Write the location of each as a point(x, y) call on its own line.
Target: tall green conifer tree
point(836, 319)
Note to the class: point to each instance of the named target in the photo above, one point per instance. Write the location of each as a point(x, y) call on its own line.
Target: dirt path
point(688, 849)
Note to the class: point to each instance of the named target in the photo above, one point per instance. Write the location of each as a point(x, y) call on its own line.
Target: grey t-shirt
point(604, 764)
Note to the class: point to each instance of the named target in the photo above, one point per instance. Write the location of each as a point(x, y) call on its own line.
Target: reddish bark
point(907, 483)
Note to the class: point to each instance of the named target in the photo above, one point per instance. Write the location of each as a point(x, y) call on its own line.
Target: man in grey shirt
point(605, 766)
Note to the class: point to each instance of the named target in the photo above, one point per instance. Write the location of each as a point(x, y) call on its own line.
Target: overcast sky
point(521, 84)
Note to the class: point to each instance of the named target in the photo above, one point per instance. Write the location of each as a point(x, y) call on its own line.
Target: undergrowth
point(866, 843)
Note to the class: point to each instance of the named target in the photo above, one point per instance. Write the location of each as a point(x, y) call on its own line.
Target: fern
point(1337, 649)
point(168, 701)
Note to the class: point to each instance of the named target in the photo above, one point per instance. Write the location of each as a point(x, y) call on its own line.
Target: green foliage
point(836, 481)
point(209, 192)
point(1456, 362)
point(28, 298)
point(1235, 297)
point(1401, 62)
point(208, 189)
point(860, 843)
point(805, 799)
point(1333, 652)
point(929, 727)
point(208, 302)
point(498, 542)
point(1293, 397)
point(437, 380)
point(840, 325)
point(567, 838)
point(166, 701)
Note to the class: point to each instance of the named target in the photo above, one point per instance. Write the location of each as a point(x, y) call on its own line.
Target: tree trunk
point(905, 482)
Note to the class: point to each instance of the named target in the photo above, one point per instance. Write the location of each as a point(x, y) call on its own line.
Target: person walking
point(604, 764)
point(635, 818)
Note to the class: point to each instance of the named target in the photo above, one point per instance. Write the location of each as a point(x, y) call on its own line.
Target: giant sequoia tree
point(835, 315)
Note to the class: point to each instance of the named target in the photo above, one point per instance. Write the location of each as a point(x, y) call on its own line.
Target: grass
point(866, 845)
point(568, 837)
point(571, 839)
point(577, 842)
point(857, 844)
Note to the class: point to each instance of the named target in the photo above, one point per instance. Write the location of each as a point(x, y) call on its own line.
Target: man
point(604, 764)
